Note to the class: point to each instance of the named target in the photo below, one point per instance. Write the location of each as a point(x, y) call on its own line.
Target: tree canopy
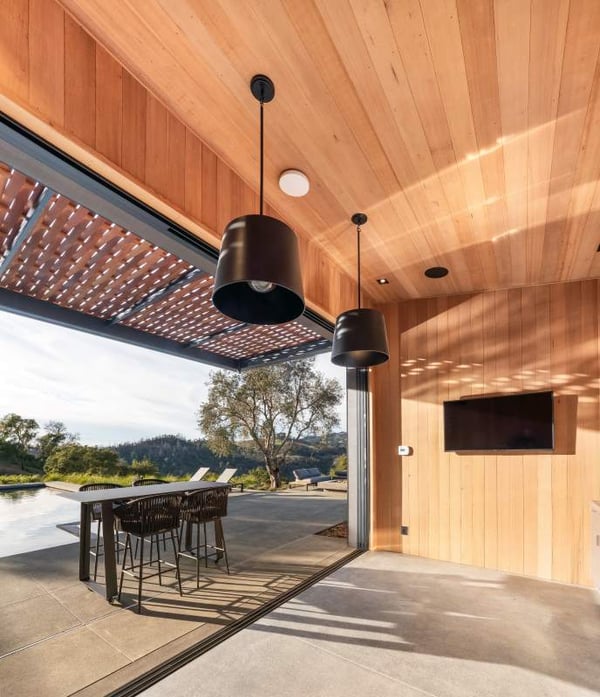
point(20, 440)
point(56, 434)
point(75, 458)
point(19, 431)
point(268, 409)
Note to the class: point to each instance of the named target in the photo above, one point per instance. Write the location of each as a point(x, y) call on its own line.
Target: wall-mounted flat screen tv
point(508, 422)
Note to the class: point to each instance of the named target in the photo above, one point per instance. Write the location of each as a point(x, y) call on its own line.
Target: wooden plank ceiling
point(468, 131)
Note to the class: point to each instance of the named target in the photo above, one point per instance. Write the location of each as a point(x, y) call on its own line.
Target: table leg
point(110, 562)
point(84, 542)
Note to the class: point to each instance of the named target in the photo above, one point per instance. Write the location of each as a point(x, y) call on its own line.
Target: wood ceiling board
point(467, 131)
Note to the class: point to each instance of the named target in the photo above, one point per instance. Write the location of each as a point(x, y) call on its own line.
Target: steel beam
point(54, 314)
point(27, 228)
point(39, 160)
point(311, 320)
point(157, 295)
point(216, 335)
point(305, 350)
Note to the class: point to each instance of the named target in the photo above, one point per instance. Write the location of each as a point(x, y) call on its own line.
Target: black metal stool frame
point(150, 481)
point(148, 517)
point(199, 508)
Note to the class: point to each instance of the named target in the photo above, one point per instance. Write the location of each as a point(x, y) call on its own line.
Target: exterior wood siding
point(523, 513)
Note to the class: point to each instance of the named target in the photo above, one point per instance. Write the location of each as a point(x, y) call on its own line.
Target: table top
point(137, 492)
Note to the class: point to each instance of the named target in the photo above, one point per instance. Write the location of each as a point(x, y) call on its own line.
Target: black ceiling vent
point(436, 272)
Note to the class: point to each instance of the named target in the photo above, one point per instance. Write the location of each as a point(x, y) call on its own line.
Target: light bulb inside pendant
point(261, 286)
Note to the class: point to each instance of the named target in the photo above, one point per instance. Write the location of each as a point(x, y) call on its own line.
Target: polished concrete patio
point(398, 626)
point(60, 637)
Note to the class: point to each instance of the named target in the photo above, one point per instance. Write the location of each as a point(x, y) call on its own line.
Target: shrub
point(257, 478)
point(19, 478)
point(340, 464)
point(90, 478)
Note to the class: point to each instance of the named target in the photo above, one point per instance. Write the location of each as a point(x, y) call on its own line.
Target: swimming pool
point(28, 520)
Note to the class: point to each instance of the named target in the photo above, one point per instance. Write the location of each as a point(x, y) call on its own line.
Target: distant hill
point(179, 456)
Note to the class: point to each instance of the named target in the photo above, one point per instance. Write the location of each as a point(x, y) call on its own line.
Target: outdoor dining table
point(107, 497)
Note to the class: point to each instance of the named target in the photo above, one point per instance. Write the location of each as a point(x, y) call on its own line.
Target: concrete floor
point(59, 637)
point(399, 626)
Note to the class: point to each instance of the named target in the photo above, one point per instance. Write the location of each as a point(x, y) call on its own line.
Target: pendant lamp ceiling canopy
point(360, 337)
point(258, 278)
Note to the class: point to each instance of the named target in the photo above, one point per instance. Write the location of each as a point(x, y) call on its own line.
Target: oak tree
point(269, 409)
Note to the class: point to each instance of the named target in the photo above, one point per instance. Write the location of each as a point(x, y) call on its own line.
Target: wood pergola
point(64, 263)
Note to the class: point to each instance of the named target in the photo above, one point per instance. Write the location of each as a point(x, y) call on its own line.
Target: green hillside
point(179, 456)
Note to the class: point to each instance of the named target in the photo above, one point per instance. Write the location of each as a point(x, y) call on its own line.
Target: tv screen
point(508, 422)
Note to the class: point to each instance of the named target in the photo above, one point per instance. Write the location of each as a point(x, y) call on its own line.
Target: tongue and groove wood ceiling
point(468, 130)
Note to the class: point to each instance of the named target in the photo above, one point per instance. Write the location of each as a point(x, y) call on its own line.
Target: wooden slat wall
point(527, 514)
point(54, 70)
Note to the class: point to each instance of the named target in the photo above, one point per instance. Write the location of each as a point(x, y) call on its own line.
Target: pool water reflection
point(28, 520)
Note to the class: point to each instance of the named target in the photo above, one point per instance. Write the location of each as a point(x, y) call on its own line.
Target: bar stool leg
point(158, 558)
point(220, 540)
point(127, 543)
point(141, 572)
point(205, 547)
point(176, 550)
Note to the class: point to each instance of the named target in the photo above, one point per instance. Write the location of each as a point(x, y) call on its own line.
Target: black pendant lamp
point(359, 338)
point(258, 279)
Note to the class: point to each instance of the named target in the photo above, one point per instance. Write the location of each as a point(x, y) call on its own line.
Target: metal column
point(357, 386)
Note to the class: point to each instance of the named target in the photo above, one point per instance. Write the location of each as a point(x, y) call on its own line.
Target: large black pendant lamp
point(258, 278)
point(359, 338)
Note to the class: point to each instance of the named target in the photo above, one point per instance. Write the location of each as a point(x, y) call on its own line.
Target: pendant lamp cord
point(262, 164)
point(358, 260)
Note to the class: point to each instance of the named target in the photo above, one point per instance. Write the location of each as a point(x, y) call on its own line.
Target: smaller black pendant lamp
point(258, 279)
point(360, 337)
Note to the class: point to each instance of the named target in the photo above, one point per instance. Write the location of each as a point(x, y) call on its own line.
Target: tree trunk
point(274, 474)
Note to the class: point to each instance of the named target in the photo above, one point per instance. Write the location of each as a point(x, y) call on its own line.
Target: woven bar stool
point(144, 518)
point(150, 482)
point(197, 509)
point(96, 515)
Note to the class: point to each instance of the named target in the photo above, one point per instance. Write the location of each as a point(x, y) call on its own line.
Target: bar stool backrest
point(149, 482)
point(150, 515)
point(97, 507)
point(205, 505)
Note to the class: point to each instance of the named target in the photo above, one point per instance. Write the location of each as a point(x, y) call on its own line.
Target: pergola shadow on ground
point(60, 637)
point(389, 624)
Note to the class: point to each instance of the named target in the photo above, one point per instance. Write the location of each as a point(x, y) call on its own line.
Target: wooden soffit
point(468, 131)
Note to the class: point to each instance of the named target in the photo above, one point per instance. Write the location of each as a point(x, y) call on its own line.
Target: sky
point(106, 391)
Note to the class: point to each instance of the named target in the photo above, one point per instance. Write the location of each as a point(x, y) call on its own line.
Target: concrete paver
point(69, 640)
point(393, 624)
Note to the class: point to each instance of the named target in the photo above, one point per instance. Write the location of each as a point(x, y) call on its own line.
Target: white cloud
point(106, 391)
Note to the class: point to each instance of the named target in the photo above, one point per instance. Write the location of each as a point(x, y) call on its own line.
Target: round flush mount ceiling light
point(293, 182)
